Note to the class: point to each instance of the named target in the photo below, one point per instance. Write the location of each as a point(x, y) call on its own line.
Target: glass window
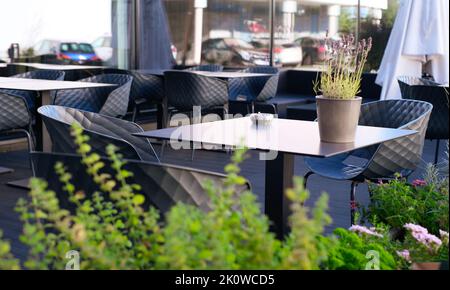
point(46, 27)
point(242, 27)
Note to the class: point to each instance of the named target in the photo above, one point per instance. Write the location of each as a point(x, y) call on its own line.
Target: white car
point(288, 54)
point(103, 48)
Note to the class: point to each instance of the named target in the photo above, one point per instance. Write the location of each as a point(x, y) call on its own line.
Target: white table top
point(230, 75)
point(58, 66)
point(45, 85)
point(289, 136)
point(219, 74)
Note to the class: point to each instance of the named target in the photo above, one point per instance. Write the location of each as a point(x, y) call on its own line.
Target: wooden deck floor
point(252, 169)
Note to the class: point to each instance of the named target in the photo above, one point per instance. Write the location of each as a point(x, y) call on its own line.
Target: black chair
point(162, 185)
point(428, 91)
point(15, 119)
point(381, 161)
point(109, 101)
point(246, 93)
point(184, 90)
point(102, 130)
point(206, 67)
point(30, 96)
point(146, 90)
point(248, 89)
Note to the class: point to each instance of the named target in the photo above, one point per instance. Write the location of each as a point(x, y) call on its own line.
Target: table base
point(279, 175)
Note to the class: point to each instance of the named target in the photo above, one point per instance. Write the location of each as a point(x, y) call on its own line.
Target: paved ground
point(252, 169)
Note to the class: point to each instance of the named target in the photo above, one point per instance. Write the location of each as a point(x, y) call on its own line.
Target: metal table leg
point(279, 175)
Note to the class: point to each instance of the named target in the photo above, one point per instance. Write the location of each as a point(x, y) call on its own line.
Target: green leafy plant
point(341, 78)
point(111, 229)
point(7, 261)
point(353, 249)
point(397, 203)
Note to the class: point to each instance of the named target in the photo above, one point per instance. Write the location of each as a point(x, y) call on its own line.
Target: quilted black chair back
point(431, 92)
point(102, 130)
point(144, 86)
point(162, 185)
point(255, 88)
point(186, 89)
point(206, 67)
point(403, 154)
point(14, 112)
point(110, 101)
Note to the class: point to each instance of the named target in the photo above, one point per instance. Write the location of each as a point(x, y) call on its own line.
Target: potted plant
point(338, 105)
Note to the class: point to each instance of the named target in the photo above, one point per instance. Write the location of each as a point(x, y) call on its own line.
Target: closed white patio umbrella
point(420, 34)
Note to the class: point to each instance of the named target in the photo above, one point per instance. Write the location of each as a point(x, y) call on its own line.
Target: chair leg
point(135, 112)
point(353, 202)
point(154, 152)
point(436, 154)
point(305, 178)
point(161, 152)
point(30, 145)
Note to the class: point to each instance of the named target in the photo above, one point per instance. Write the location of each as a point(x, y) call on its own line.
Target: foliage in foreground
point(424, 202)
point(112, 230)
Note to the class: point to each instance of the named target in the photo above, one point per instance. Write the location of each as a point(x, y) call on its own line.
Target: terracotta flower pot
point(338, 119)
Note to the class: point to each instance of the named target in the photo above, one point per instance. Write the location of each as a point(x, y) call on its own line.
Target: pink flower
point(405, 255)
point(421, 235)
point(415, 228)
point(364, 230)
point(419, 182)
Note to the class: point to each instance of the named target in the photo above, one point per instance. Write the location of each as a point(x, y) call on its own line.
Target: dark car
point(78, 53)
point(232, 52)
point(313, 50)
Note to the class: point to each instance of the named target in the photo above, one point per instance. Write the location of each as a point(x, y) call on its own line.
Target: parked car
point(103, 48)
point(313, 49)
point(232, 52)
point(67, 52)
point(285, 53)
point(78, 53)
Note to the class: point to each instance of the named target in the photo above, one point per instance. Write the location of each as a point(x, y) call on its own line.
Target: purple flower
point(405, 255)
point(364, 230)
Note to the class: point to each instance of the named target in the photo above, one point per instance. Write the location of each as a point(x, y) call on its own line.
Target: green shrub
point(397, 203)
point(7, 261)
point(111, 230)
point(352, 251)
